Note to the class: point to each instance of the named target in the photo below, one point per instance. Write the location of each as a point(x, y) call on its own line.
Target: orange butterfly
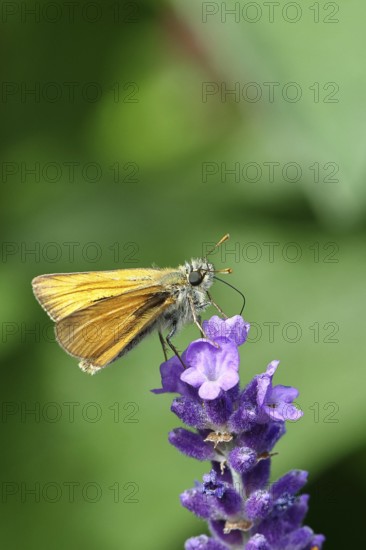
point(101, 315)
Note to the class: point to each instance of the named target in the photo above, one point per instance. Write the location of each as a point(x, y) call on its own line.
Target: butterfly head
point(199, 273)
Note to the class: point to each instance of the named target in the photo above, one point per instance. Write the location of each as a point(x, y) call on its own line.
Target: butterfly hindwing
point(100, 333)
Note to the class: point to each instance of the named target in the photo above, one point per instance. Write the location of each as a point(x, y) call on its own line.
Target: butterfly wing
point(100, 315)
point(61, 294)
point(103, 332)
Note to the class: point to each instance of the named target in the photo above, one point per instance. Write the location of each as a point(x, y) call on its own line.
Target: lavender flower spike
point(236, 430)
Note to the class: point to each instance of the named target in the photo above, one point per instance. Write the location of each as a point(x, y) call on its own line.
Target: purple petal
point(209, 390)
point(200, 353)
point(228, 356)
point(284, 393)
point(193, 377)
point(249, 394)
point(228, 379)
point(210, 360)
point(263, 386)
point(292, 413)
point(203, 542)
point(272, 367)
point(278, 403)
point(282, 411)
point(170, 372)
point(211, 485)
point(234, 329)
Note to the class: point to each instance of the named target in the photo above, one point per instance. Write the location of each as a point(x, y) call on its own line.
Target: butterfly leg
point(163, 345)
point(199, 319)
point(172, 347)
point(216, 306)
point(196, 318)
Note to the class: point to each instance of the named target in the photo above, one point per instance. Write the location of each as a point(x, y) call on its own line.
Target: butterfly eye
point(195, 278)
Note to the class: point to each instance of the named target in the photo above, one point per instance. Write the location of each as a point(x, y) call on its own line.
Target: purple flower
point(212, 368)
point(236, 431)
point(211, 486)
point(234, 329)
point(276, 401)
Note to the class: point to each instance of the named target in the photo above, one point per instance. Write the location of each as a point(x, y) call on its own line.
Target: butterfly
point(101, 315)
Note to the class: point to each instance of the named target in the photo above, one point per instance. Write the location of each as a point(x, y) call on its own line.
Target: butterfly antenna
point(224, 238)
point(236, 289)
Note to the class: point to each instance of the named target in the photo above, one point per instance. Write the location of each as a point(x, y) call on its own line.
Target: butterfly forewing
point(62, 294)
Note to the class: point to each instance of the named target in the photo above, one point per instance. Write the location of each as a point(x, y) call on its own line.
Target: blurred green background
point(135, 133)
